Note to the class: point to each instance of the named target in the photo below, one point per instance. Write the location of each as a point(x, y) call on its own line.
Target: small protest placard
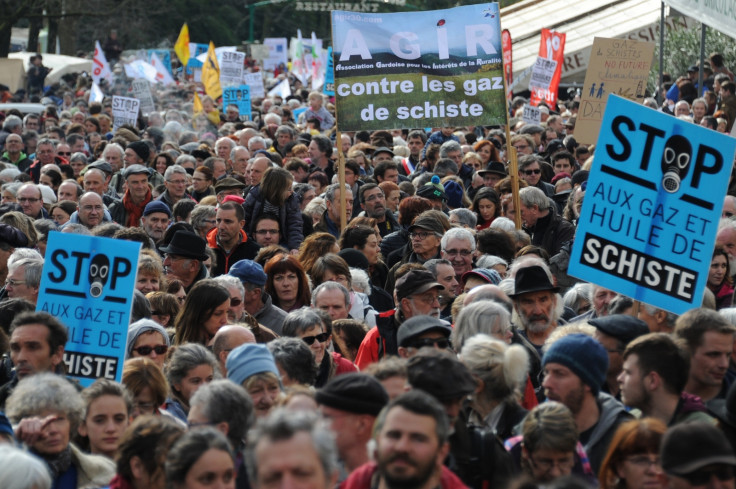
point(231, 67)
point(329, 86)
point(531, 115)
point(142, 91)
point(542, 73)
point(87, 283)
point(124, 111)
point(652, 205)
point(239, 96)
point(255, 83)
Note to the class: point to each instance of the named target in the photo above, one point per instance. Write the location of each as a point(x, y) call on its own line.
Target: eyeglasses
point(28, 200)
point(532, 172)
point(62, 153)
point(703, 476)
point(146, 350)
point(14, 283)
point(728, 214)
point(643, 461)
point(235, 302)
point(421, 235)
point(322, 337)
point(267, 231)
point(464, 253)
point(427, 299)
point(545, 464)
point(441, 343)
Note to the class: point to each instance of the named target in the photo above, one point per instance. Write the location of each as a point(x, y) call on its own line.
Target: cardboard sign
point(239, 96)
point(142, 91)
point(419, 69)
point(255, 83)
point(231, 67)
point(87, 283)
point(124, 111)
point(652, 205)
point(259, 51)
point(618, 66)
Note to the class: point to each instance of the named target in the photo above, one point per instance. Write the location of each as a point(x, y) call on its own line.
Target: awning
point(581, 21)
point(719, 14)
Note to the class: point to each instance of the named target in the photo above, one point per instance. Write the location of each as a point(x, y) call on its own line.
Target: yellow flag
point(182, 45)
point(211, 74)
point(197, 104)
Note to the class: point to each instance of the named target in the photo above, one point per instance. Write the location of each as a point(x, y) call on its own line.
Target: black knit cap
point(355, 393)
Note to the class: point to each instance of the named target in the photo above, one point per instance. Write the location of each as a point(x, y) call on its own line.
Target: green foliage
point(682, 50)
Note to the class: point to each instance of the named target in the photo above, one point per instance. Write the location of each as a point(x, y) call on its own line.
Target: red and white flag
point(162, 74)
point(100, 67)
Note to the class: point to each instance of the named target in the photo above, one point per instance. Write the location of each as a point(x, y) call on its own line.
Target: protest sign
point(543, 71)
point(652, 206)
point(531, 115)
point(447, 71)
point(551, 48)
point(619, 66)
point(87, 283)
point(259, 51)
point(255, 83)
point(124, 111)
point(231, 67)
point(239, 96)
point(142, 91)
point(278, 53)
point(329, 86)
point(164, 57)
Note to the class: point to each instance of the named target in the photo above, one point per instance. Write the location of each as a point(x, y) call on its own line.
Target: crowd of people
point(425, 343)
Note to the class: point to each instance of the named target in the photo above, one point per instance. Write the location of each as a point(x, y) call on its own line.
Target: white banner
point(542, 73)
point(255, 82)
point(720, 15)
point(142, 91)
point(231, 67)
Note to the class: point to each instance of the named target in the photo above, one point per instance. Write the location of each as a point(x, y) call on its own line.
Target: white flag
point(282, 89)
point(100, 67)
point(96, 95)
point(162, 74)
point(141, 69)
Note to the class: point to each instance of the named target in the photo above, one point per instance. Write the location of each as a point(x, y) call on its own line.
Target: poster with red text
point(547, 70)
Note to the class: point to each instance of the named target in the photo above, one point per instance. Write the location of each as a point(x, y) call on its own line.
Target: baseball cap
point(418, 325)
point(248, 272)
point(416, 282)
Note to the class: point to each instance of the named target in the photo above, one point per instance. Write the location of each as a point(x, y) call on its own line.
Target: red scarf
point(134, 211)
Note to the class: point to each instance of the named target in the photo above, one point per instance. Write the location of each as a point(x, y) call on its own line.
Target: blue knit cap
point(454, 194)
point(249, 359)
point(583, 355)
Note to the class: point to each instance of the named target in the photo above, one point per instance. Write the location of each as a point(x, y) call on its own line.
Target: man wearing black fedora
point(184, 258)
point(495, 171)
point(535, 300)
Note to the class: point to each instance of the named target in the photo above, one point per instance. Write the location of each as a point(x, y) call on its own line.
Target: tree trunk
point(5, 33)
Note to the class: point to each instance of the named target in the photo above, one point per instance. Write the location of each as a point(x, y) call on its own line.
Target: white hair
point(360, 281)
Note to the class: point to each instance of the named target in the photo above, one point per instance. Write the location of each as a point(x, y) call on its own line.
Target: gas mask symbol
point(675, 162)
point(98, 271)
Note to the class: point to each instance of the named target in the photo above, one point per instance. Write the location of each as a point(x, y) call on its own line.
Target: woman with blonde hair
point(500, 371)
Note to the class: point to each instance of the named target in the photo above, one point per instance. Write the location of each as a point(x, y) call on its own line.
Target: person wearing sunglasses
point(697, 455)
point(147, 338)
point(423, 332)
point(308, 325)
point(531, 171)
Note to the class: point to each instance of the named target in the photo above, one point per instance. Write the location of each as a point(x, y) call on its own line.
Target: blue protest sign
point(652, 205)
point(329, 86)
point(239, 96)
point(88, 283)
point(297, 112)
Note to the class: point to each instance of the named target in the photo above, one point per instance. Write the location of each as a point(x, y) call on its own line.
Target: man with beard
point(535, 300)
point(574, 369)
point(655, 371)
point(411, 443)
point(373, 202)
